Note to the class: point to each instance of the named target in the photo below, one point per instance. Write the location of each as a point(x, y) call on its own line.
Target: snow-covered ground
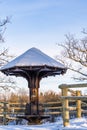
point(75, 124)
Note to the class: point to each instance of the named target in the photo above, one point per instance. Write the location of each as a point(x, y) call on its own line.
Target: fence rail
point(9, 110)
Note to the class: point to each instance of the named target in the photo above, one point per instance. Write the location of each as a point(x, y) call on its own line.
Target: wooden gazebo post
point(33, 65)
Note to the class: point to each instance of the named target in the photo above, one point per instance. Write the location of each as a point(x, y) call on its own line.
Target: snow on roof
point(33, 57)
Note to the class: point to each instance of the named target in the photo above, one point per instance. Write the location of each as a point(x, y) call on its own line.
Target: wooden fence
point(9, 111)
point(65, 101)
point(66, 106)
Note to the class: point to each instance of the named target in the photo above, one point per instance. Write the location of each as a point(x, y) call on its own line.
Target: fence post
point(4, 112)
point(78, 104)
point(65, 105)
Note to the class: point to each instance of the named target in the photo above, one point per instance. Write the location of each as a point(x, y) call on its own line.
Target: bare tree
point(3, 27)
point(5, 83)
point(4, 56)
point(74, 55)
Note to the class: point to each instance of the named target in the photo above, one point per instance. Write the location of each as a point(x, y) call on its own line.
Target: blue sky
point(42, 24)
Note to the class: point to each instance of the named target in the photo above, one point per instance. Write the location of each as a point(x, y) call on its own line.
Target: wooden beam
point(72, 85)
point(74, 97)
point(84, 103)
point(49, 103)
point(48, 108)
point(53, 113)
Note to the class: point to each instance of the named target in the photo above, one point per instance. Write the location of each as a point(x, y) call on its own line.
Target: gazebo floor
point(33, 119)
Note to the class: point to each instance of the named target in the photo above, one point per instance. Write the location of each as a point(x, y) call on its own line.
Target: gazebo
point(33, 65)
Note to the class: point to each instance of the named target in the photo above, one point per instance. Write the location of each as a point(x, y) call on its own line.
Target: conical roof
point(33, 60)
point(33, 57)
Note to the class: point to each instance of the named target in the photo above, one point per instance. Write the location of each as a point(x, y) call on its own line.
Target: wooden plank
point(72, 85)
point(16, 108)
point(84, 103)
point(74, 97)
point(57, 102)
point(53, 108)
point(84, 111)
point(72, 108)
point(53, 113)
point(11, 118)
point(16, 103)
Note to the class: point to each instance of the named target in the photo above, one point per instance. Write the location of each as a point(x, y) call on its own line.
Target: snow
point(75, 124)
point(33, 57)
